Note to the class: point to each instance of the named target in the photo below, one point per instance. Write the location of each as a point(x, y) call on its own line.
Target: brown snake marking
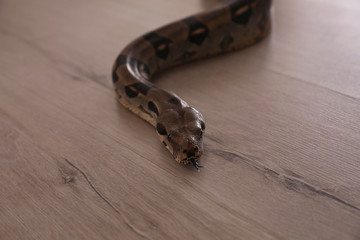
point(231, 26)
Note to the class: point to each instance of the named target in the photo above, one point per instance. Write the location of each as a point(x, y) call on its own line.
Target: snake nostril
point(184, 151)
point(196, 149)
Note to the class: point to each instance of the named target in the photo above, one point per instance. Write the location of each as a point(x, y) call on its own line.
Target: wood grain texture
point(282, 143)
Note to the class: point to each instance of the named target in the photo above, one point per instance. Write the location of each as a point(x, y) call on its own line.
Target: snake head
point(181, 131)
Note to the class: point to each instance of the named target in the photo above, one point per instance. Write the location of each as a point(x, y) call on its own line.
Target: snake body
point(230, 26)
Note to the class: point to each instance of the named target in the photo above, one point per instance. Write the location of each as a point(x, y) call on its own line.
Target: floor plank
point(282, 141)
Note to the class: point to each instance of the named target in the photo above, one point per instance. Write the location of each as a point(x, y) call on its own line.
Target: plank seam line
point(92, 76)
point(313, 84)
point(105, 200)
point(292, 182)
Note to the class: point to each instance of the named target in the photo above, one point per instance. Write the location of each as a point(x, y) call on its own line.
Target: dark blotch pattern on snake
point(230, 26)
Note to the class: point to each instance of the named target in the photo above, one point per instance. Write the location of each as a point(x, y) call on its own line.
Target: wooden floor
point(282, 143)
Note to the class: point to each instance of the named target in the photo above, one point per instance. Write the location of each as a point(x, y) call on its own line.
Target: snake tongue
point(195, 164)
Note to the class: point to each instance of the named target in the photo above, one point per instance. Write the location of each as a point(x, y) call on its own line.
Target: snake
point(229, 26)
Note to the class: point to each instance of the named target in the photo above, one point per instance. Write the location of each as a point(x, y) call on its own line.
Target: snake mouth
point(195, 164)
point(193, 161)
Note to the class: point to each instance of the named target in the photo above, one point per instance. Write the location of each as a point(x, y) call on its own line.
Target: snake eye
point(161, 129)
point(202, 125)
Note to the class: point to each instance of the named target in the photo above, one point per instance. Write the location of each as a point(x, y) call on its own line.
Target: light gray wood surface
point(282, 143)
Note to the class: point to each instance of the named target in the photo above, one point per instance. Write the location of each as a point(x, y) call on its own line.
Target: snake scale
point(230, 26)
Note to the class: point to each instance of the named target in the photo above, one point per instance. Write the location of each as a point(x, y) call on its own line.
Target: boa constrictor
point(230, 26)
